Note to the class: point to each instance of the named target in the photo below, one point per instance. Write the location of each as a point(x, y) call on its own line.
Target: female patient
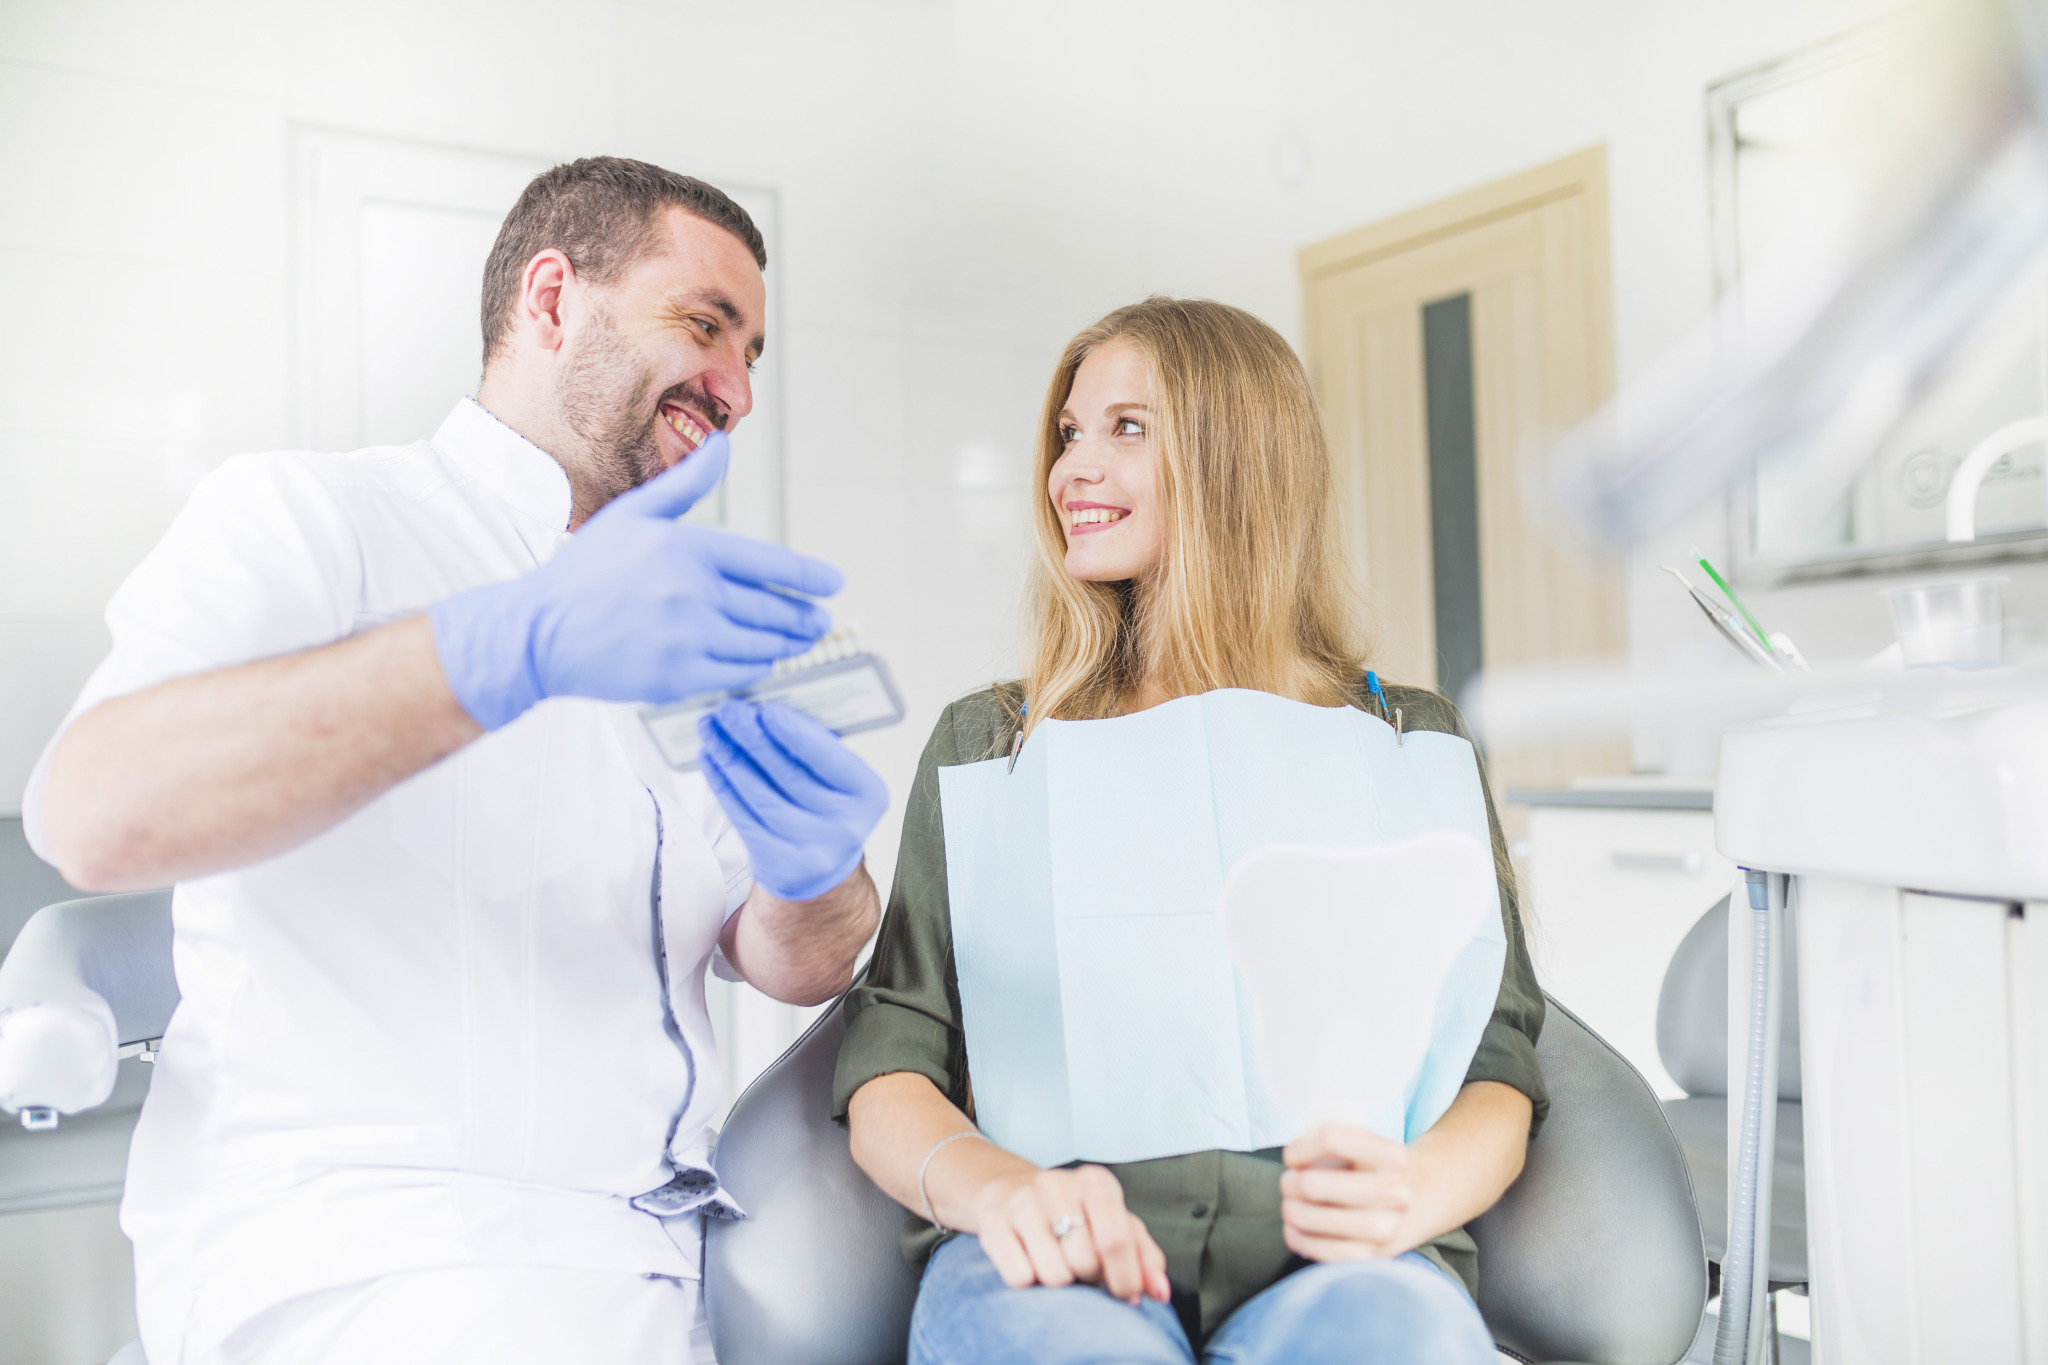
point(1183, 546)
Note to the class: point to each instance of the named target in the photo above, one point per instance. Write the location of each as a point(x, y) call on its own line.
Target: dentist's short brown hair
point(603, 213)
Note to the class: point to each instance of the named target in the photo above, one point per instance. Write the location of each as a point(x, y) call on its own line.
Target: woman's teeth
point(686, 427)
point(1090, 515)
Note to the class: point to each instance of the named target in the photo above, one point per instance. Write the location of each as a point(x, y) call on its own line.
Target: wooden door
point(1446, 346)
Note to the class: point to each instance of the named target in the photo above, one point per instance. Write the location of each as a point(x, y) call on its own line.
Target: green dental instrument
point(1729, 592)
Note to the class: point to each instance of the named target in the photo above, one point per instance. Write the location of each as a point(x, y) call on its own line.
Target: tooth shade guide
point(843, 642)
point(835, 683)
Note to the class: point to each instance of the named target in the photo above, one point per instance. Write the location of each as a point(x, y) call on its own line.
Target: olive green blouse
point(1216, 1215)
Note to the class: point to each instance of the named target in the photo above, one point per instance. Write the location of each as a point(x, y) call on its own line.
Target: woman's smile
point(1087, 518)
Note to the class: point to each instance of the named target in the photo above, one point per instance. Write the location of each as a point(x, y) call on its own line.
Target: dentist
point(439, 1086)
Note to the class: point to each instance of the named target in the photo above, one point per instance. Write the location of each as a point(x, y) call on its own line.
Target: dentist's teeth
point(688, 429)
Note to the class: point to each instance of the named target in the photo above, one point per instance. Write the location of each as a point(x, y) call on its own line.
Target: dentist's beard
point(605, 399)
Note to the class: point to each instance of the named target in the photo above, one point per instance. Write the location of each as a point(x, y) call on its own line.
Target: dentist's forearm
point(223, 769)
point(803, 952)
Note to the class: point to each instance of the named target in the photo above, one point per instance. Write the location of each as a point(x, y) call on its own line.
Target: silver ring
point(1065, 1224)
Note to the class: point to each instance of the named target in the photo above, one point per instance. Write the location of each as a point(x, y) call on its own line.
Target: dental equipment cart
point(1908, 834)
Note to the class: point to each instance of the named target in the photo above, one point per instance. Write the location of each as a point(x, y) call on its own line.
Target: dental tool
point(1724, 621)
point(1776, 643)
point(1736, 602)
point(836, 683)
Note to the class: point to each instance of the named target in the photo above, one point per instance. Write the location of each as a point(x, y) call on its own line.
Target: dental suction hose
point(1745, 1269)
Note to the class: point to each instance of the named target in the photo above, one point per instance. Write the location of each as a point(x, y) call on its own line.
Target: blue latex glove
point(636, 607)
point(803, 803)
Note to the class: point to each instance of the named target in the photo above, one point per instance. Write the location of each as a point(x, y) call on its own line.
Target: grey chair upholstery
point(813, 1275)
point(1593, 1257)
point(1692, 1042)
point(115, 948)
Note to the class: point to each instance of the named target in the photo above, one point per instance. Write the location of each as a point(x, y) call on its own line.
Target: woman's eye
point(1068, 435)
point(1129, 427)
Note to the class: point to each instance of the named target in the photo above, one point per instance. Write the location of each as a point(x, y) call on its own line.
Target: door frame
point(1575, 271)
point(1580, 173)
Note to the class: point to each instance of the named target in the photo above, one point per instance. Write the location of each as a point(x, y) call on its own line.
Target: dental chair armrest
point(55, 1056)
point(83, 978)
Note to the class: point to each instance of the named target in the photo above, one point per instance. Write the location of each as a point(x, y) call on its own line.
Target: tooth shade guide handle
point(848, 693)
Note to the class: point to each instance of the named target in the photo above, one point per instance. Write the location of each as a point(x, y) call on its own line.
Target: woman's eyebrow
point(1115, 409)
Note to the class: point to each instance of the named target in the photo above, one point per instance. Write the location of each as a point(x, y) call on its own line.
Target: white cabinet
point(1614, 876)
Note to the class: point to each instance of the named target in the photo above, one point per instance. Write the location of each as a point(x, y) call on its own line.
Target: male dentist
point(439, 1085)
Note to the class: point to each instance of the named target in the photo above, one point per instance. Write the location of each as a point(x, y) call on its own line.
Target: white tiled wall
point(962, 183)
point(959, 186)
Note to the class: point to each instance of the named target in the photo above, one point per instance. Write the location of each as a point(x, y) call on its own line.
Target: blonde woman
point(1183, 545)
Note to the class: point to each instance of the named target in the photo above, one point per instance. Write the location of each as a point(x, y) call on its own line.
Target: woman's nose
point(1079, 465)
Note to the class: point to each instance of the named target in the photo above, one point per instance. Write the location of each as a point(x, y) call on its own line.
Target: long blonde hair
point(1251, 589)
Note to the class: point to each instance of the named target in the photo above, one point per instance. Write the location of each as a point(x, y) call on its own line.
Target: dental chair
point(86, 990)
point(85, 983)
point(1594, 1256)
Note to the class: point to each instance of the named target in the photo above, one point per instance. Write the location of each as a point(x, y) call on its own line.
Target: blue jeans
point(1399, 1312)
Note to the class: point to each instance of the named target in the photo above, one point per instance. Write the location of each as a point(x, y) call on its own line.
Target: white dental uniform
point(465, 1028)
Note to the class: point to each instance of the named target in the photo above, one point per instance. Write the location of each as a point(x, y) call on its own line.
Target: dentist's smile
point(691, 426)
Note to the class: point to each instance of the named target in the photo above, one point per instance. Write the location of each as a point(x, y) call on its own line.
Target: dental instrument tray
point(837, 684)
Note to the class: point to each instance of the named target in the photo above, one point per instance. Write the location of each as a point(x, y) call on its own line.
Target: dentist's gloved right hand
point(636, 607)
point(803, 803)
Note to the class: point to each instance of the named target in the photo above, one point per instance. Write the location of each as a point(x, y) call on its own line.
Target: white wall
point(67, 1286)
point(962, 185)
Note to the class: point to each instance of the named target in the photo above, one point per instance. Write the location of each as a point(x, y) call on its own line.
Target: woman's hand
point(1106, 1244)
point(1345, 1195)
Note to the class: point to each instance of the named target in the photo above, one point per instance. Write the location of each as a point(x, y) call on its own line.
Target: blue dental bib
point(1104, 1019)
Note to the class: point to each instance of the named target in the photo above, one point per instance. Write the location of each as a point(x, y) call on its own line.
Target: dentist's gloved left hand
point(803, 803)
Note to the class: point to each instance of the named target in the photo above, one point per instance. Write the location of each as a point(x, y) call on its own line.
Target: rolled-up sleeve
point(1507, 1049)
point(905, 1014)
